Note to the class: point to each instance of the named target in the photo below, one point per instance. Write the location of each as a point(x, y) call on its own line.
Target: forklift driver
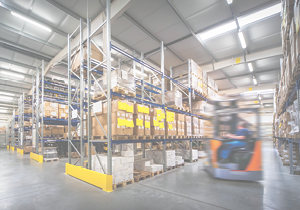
point(240, 135)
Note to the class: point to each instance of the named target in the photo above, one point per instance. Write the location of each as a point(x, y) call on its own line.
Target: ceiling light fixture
point(229, 1)
point(6, 98)
point(254, 81)
point(250, 67)
point(259, 97)
point(11, 74)
point(260, 15)
point(242, 40)
point(3, 111)
point(218, 30)
point(30, 21)
point(9, 94)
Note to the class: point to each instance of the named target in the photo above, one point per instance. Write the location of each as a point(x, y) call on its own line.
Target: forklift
point(244, 163)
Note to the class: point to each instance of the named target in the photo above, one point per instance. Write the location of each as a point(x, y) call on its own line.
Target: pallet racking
point(107, 48)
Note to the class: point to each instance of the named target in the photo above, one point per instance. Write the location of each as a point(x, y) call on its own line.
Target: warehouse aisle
point(25, 184)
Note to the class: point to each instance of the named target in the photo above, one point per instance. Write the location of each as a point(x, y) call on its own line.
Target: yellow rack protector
point(20, 151)
point(36, 157)
point(12, 148)
point(92, 177)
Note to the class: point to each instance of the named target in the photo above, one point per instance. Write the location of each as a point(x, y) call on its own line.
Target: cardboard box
point(57, 130)
point(155, 130)
point(46, 130)
point(86, 149)
point(138, 120)
point(95, 54)
point(179, 117)
point(141, 109)
point(147, 131)
point(162, 131)
point(27, 149)
point(187, 119)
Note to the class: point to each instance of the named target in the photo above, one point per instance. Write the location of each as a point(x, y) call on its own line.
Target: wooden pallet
point(142, 137)
point(157, 136)
point(179, 137)
point(171, 168)
point(53, 117)
point(114, 137)
point(170, 137)
point(179, 165)
point(51, 159)
point(141, 175)
point(296, 172)
point(123, 184)
point(177, 107)
point(157, 173)
point(286, 164)
point(196, 160)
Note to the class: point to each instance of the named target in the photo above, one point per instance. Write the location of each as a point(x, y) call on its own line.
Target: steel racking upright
point(12, 131)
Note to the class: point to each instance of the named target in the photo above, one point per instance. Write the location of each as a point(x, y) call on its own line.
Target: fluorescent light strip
point(242, 40)
point(6, 98)
point(250, 67)
point(11, 74)
point(254, 81)
point(3, 111)
point(229, 1)
point(30, 21)
point(219, 30)
point(242, 21)
point(9, 94)
point(260, 15)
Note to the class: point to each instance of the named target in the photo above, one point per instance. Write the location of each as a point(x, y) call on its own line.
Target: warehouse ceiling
point(179, 24)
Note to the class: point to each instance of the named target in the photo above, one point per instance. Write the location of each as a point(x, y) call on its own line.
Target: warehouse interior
point(165, 128)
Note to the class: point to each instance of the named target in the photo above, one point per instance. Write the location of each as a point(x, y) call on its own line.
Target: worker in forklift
point(239, 140)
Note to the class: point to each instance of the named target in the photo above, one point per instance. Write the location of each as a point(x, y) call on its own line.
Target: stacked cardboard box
point(187, 125)
point(171, 124)
point(185, 154)
point(178, 160)
point(285, 154)
point(196, 127)
point(158, 158)
point(157, 121)
point(121, 119)
point(51, 109)
point(201, 154)
point(179, 124)
point(207, 129)
point(122, 167)
point(198, 107)
point(141, 120)
point(144, 164)
point(95, 54)
point(63, 111)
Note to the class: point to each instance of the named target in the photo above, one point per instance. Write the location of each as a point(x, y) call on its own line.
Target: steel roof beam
point(12, 92)
point(39, 20)
point(277, 51)
point(24, 50)
point(191, 30)
point(11, 86)
point(117, 9)
point(76, 16)
point(149, 34)
point(25, 66)
point(247, 89)
point(248, 74)
point(15, 81)
point(21, 33)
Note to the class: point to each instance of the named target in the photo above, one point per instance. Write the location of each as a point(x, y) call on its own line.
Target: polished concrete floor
point(26, 184)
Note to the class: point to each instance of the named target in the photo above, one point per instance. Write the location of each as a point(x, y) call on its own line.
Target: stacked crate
point(50, 109)
point(170, 124)
point(179, 124)
point(121, 119)
point(141, 118)
point(188, 125)
point(157, 121)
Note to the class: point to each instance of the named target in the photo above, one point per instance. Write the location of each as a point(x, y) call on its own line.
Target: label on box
point(139, 122)
point(147, 124)
point(74, 114)
point(122, 122)
point(155, 123)
point(124, 74)
point(129, 123)
point(122, 105)
point(170, 126)
point(129, 108)
point(161, 125)
point(97, 107)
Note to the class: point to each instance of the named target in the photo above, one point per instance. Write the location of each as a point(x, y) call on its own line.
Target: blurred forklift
point(243, 160)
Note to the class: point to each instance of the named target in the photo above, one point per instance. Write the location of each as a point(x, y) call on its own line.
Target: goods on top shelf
point(172, 98)
point(121, 82)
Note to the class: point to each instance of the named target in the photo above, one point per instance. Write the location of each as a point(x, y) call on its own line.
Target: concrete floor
point(26, 184)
